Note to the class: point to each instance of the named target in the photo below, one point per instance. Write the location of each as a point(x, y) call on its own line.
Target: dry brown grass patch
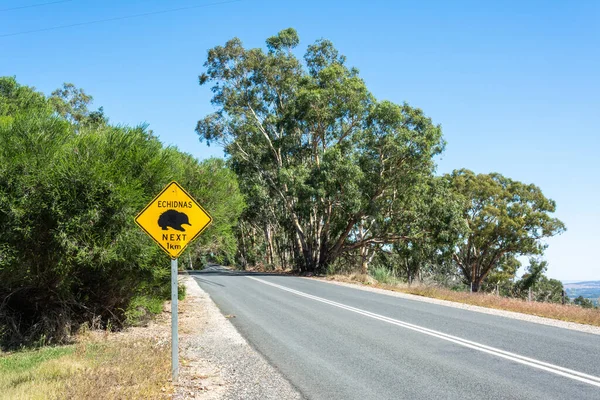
point(122, 369)
point(569, 313)
point(97, 367)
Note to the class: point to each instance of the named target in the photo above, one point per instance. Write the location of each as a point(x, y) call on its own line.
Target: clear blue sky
point(515, 85)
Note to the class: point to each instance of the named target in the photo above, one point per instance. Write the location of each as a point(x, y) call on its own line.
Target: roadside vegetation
point(339, 182)
point(71, 184)
point(320, 178)
point(95, 368)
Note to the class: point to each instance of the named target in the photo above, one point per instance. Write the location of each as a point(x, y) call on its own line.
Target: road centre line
point(555, 369)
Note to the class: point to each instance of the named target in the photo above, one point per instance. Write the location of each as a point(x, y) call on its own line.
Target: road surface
point(336, 342)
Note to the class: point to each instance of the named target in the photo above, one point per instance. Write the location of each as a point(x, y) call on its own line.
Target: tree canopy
point(505, 219)
point(323, 163)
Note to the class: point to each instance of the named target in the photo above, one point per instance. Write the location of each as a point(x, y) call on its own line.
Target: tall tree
point(433, 227)
point(337, 165)
point(213, 182)
point(72, 103)
point(549, 290)
point(505, 218)
point(543, 288)
point(535, 272)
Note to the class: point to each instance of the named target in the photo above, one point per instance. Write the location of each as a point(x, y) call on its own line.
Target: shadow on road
point(220, 271)
point(206, 281)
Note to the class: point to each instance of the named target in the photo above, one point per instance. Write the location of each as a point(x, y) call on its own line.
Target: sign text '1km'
point(173, 219)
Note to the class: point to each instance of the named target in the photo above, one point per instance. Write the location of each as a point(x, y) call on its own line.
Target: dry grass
point(570, 313)
point(36, 374)
point(97, 367)
point(131, 364)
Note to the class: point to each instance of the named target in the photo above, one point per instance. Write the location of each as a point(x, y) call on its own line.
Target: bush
point(70, 252)
point(583, 302)
point(142, 308)
point(384, 275)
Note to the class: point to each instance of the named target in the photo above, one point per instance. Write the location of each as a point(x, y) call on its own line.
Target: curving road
point(336, 342)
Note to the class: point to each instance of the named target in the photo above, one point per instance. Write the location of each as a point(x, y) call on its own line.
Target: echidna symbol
point(173, 219)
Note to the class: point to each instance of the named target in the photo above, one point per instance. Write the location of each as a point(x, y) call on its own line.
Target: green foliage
point(431, 228)
point(503, 273)
point(383, 275)
point(535, 271)
point(69, 250)
point(71, 102)
point(542, 288)
point(549, 290)
point(212, 181)
point(16, 98)
point(181, 292)
point(336, 180)
point(142, 307)
point(25, 360)
point(583, 302)
point(505, 218)
point(328, 171)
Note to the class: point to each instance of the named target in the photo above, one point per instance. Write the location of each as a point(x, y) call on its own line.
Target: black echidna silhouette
point(173, 219)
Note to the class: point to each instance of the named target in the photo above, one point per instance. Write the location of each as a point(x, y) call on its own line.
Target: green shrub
point(142, 308)
point(70, 252)
point(181, 292)
point(383, 275)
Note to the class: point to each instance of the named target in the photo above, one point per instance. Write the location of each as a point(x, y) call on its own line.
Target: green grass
point(24, 360)
point(143, 307)
point(384, 276)
point(181, 292)
point(96, 368)
point(35, 374)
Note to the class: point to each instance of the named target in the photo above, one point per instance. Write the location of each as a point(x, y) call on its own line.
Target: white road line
point(555, 369)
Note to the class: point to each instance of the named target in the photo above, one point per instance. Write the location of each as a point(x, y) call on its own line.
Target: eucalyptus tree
point(337, 166)
point(72, 103)
point(542, 288)
point(432, 222)
point(505, 219)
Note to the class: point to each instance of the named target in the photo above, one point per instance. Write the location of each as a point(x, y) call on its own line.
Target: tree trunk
point(269, 238)
point(243, 250)
point(476, 285)
point(364, 266)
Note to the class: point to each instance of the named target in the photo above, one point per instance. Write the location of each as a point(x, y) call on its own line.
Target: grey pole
point(174, 323)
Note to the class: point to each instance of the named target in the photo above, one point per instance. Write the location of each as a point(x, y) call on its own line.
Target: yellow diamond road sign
point(173, 219)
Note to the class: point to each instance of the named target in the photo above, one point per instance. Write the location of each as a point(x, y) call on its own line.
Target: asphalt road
point(335, 342)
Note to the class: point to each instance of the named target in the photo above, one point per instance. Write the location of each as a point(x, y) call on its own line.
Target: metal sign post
point(174, 322)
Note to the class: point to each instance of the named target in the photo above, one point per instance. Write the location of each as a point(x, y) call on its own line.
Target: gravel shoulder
point(216, 361)
point(508, 314)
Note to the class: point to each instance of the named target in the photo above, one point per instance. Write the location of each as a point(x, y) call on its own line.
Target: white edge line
point(555, 369)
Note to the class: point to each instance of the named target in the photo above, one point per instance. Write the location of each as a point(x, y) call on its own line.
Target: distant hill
point(587, 289)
